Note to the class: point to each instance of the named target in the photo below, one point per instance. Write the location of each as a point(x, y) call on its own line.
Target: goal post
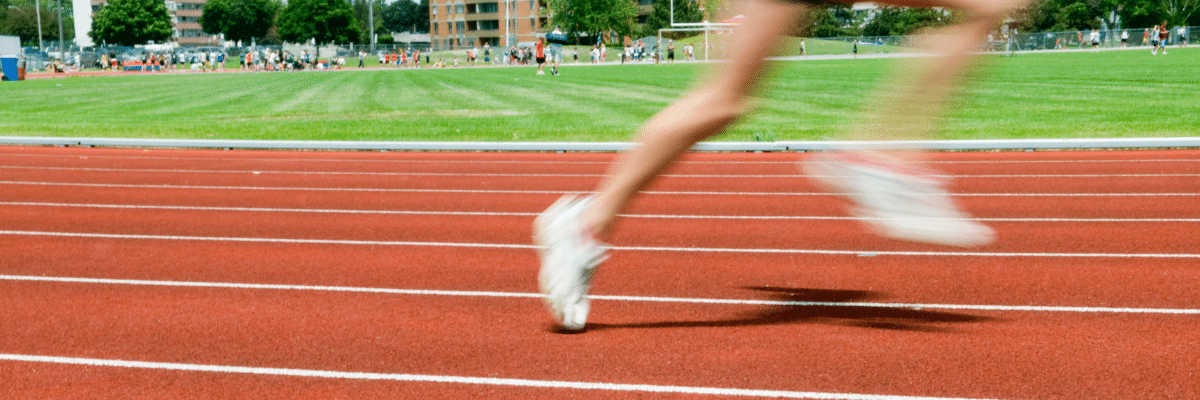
point(696, 27)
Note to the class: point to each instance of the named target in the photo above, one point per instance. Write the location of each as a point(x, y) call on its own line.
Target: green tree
point(20, 18)
point(832, 22)
point(1139, 13)
point(593, 17)
point(1077, 16)
point(4, 17)
point(1178, 12)
point(685, 11)
point(898, 21)
point(239, 20)
point(405, 16)
point(131, 22)
point(322, 21)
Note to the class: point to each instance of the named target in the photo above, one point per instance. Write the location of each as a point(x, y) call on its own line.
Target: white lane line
point(566, 162)
point(534, 214)
point(558, 192)
point(460, 293)
point(559, 175)
point(525, 383)
point(618, 248)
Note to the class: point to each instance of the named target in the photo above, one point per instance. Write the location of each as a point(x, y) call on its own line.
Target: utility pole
point(38, 8)
point(371, 23)
point(62, 52)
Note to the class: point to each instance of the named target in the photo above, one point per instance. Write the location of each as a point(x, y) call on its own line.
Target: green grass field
point(1045, 95)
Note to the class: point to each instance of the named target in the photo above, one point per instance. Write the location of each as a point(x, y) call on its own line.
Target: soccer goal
point(706, 27)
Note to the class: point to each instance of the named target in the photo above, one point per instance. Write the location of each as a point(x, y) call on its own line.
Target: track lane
point(1013, 237)
point(571, 182)
point(1084, 282)
point(657, 204)
point(1067, 355)
point(976, 354)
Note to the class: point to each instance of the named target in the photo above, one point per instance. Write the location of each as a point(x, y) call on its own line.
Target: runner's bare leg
point(706, 111)
point(700, 114)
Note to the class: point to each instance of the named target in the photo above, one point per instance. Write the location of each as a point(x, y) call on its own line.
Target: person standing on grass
point(1095, 37)
point(1124, 38)
point(556, 49)
point(894, 195)
point(1182, 36)
point(540, 55)
point(1159, 35)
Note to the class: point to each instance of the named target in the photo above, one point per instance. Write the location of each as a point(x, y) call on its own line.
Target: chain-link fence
point(299, 56)
point(1016, 41)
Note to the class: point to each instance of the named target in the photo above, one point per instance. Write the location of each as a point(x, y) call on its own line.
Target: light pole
point(371, 23)
point(37, 6)
point(62, 53)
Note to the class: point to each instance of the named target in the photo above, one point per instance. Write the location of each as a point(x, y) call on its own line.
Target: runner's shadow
point(811, 306)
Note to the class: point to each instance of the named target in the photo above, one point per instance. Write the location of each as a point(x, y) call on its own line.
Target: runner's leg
point(700, 114)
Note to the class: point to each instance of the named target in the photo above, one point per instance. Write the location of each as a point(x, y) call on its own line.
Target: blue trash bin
point(8, 65)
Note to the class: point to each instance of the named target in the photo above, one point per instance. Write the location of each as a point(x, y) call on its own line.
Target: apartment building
point(185, 22)
point(455, 24)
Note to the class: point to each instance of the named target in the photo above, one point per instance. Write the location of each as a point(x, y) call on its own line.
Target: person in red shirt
point(1163, 34)
point(540, 55)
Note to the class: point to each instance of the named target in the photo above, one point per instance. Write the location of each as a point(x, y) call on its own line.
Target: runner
point(896, 197)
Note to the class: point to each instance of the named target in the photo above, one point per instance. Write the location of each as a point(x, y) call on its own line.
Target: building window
point(458, 8)
point(489, 25)
point(488, 8)
point(460, 25)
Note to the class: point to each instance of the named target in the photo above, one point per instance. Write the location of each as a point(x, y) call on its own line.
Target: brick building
point(455, 24)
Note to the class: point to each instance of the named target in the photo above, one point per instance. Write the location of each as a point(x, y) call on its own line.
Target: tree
point(322, 21)
point(406, 16)
point(19, 18)
point(1178, 12)
point(832, 22)
point(899, 21)
point(593, 17)
point(685, 11)
point(131, 22)
point(1139, 13)
point(239, 20)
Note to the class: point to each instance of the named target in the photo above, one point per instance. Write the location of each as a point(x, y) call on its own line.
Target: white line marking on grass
point(564, 162)
point(618, 248)
point(523, 383)
point(556, 192)
point(534, 214)
point(427, 292)
point(561, 175)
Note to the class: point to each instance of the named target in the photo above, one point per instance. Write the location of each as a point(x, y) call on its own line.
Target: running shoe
point(897, 200)
point(569, 254)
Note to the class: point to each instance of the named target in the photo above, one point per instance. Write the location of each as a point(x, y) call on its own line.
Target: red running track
point(133, 273)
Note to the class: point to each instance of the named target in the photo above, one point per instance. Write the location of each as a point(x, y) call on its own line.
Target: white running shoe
point(570, 255)
point(898, 201)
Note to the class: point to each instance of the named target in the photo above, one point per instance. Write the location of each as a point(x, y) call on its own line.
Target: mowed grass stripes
point(1042, 95)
